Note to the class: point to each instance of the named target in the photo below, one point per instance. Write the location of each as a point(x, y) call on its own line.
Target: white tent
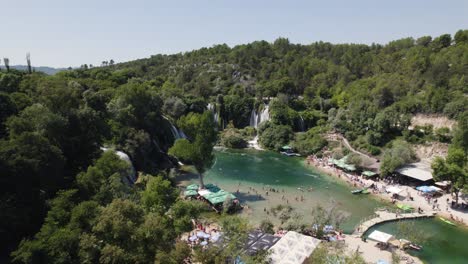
point(443, 183)
point(394, 190)
point(380, 236)
point(203, 192)
point(293, 248)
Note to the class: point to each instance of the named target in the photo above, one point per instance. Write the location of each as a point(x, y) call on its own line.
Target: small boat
point(415, 247)
point(357, 191)
point(447, 221)
point(405, 207)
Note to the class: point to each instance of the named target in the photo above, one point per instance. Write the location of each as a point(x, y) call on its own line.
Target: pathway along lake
point(257, 169)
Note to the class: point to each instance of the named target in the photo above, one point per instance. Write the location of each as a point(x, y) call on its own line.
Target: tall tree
point(28, 60)
point(7, 64)
point(201, 129)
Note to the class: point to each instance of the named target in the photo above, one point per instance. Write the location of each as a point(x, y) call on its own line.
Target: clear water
point(245, 169)
point(261, 170)
point(444, 244)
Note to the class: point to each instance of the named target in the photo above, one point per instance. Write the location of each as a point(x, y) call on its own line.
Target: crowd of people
point(433, 201)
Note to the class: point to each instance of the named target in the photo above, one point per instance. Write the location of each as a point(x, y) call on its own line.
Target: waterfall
point(216, 116)
point(210, 107)
point(175, 132)
point(301, 123)
point(253, 118)
point(265, 115)
point(256, 119)
point(131, 177)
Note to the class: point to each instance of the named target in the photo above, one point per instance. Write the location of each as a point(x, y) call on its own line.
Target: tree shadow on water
point(249, 197)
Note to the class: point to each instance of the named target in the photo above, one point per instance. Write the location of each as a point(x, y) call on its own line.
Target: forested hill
point(44, 69)
point(52, 129)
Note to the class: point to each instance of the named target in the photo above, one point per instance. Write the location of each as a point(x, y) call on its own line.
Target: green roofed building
point(215, 195)
point(341, 163)
point(192, 187)
point(190, 193)
point(369, 174)
point(212, 187)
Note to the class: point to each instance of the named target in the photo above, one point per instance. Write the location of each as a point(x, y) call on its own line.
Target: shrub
point(232, 138)
point(275, 136)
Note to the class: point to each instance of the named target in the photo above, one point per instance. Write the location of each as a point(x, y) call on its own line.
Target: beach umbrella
point(215, 237)
point(204, 243)
point(201, 234)
point(193, 238)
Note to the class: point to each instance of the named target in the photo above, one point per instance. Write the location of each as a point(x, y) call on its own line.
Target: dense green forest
point(66, 199)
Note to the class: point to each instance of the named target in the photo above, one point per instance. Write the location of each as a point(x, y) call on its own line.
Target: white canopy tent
point(394, 190)
point(443, 183)
point(203, 192)
point(380, 236)
point(293, 248)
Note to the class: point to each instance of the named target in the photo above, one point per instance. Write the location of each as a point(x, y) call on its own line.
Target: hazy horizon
point(59, 34)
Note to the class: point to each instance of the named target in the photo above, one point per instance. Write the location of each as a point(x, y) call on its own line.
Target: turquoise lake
point(253, 172)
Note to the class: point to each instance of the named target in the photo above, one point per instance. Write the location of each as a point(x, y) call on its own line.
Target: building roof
point(215, 195)
point(192, 187)
point(257, 240)
point(380, 236)
point(341, 163)
point(293, 248)
point(190, 193)
point(419, 171)
point(369, 173)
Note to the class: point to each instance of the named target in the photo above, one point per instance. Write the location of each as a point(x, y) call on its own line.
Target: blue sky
point(64, 33)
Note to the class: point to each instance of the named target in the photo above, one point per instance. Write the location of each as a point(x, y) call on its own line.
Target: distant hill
point(44, 69)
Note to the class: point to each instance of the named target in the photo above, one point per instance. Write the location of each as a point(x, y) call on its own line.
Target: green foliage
point(274, 136)
point(309, 143)
point(95, 181)
point(267, 226)
point(237, 109)
point(232, 138)
point(200, 128)
point(333, 252)
point(51, 127)
point(183, 212)
point(159, 195)
point(398, 154)
point(174, 107)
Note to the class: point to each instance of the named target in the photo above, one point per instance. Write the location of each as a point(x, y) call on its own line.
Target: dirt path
point(375, 163)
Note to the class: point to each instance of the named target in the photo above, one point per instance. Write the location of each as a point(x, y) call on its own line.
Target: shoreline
point(385, 197)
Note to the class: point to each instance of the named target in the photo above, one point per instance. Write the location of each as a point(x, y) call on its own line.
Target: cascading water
point(216, 116)
point(176, 133)
point(256, 119)
point(301, 123)
point(265, 115)
point(131, 177)
point(253, 119)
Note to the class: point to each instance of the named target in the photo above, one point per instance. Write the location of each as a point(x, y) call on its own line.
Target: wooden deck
point(385, 216)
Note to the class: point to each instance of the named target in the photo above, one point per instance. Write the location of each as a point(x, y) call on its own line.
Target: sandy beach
point(369, 250)
point(440, 205)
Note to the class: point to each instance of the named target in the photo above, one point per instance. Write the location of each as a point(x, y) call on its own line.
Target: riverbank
point(440, 205)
